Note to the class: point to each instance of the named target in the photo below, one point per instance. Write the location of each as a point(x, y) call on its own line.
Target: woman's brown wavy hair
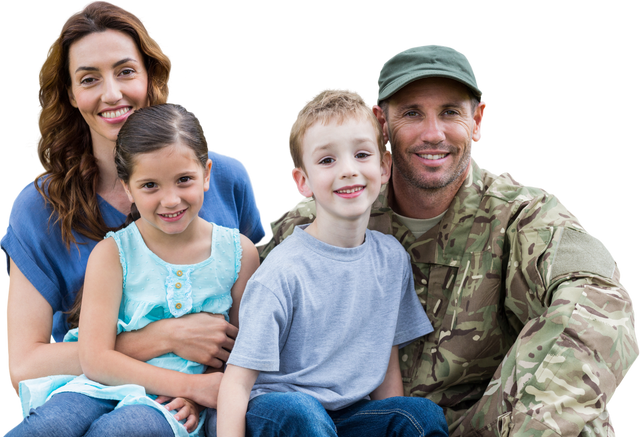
point(65, 149)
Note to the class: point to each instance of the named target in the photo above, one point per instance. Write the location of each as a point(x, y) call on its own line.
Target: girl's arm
point(392, 384)
point(250, 263)
point(233, 400)
point(202, 337)
point(98, 357)
point(29, 322)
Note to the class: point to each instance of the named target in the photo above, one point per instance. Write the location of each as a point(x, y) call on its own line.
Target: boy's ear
point(126, 190)
point(385, 167)
point(207, 175)
point(302, 182)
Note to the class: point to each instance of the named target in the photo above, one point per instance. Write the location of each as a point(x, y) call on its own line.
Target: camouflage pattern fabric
point(533, 330)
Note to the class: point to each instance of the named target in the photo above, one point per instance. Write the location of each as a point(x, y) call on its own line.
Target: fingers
point(232, 331)
point(191, 422)
point(162, 399)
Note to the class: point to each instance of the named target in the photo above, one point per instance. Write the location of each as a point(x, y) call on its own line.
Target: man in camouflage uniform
point(533, 330)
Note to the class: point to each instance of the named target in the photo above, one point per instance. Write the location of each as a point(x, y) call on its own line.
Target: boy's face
point(343, 170)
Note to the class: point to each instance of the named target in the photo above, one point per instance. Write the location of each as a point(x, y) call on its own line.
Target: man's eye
point(411, 114)
point(450, 112)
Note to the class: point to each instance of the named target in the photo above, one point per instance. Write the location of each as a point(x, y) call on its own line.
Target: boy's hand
point(187, 410)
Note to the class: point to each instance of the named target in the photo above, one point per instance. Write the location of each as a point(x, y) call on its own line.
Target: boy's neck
point(339, 233)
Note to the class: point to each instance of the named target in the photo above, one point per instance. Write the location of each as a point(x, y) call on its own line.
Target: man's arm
point(577, 338)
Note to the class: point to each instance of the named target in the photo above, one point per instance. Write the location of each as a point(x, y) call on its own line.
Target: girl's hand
point(204, 388)
point(186, 409)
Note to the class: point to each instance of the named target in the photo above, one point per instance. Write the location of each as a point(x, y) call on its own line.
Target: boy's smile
point(343, 169)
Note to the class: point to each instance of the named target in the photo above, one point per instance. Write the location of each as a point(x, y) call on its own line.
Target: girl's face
point(108, 82)
point(168, 187)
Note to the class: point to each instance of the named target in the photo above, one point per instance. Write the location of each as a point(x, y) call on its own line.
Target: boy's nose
point(348, 170)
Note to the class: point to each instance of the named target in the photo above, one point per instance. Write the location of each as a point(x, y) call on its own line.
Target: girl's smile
point(167, 186)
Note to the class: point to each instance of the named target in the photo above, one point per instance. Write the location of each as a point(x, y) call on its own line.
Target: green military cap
point(421, 62)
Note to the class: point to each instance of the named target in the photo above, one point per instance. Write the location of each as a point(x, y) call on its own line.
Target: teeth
point(176, 214)
point(350, 190)
point(429, 156)
point(114, 114)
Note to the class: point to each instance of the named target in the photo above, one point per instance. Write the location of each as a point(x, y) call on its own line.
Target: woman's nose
point(112, 93)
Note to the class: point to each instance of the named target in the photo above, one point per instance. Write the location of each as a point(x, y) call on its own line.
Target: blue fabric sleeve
point(231, 187)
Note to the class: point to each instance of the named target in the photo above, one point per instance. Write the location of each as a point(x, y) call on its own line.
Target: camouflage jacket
point(533, 331)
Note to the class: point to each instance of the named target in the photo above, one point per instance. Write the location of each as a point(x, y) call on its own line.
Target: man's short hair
point(331, 105)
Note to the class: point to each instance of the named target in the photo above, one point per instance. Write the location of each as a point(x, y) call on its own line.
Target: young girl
point(167, 263)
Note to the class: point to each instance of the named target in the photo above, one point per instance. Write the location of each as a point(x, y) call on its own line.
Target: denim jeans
point(76, 415)
point(299, 414)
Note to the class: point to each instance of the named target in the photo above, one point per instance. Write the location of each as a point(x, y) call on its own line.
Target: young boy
point(322, 318)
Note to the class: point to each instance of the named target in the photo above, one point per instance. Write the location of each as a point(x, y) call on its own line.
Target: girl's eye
point(184, 179)
point(326, 161)
point(149, 185)
point(362, 155)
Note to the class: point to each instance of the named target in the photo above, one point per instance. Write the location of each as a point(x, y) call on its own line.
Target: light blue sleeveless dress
point(193, 288)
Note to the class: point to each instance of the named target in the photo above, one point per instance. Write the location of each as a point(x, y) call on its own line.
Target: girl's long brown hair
point(65, 149)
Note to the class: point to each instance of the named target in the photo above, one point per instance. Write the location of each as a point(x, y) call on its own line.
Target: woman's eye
point(87, 81)
point(325, 161)
point(127, 71)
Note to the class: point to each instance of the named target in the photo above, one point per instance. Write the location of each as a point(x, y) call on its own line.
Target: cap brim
point(405, 80)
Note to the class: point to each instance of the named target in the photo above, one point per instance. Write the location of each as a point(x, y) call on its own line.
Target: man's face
point(430, 125)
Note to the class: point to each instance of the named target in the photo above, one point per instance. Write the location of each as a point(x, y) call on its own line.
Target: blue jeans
point(76, 415)
point(289, 414)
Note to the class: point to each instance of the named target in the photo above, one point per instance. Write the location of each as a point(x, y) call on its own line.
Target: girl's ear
point(207, 174)
point(126, 190)
point(302, 182)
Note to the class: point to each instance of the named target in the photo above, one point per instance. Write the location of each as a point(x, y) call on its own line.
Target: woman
point(103, 67)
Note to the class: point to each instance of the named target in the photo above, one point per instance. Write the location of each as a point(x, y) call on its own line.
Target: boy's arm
point(392, 384)
point(233, 399)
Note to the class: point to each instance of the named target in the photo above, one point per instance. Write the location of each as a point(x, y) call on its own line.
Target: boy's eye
point(325, 161)
point(362, 155)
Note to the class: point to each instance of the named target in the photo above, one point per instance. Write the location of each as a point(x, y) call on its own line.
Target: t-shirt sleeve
point(32, 245)
point(412, 318)
point(264, 325)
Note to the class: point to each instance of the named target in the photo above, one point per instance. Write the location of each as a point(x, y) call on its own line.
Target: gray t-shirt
point(321, 319)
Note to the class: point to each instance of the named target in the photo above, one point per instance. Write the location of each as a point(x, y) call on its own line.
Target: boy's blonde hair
point(331, 105)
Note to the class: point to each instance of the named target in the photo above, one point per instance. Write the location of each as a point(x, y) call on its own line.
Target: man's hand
point(204, 338)
point(186, 410)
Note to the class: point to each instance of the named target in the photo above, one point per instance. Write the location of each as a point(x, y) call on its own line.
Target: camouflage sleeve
point(303, 213)
point(577, 338)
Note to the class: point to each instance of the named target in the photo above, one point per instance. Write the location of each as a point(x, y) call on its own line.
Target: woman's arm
point(392, 384)
point(233, 400)
point(29, 322)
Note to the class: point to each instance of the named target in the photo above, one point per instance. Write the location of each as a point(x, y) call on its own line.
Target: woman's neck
point(109, 186)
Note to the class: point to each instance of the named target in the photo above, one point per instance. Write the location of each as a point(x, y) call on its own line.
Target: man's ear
point(207, 174)
point(72, 99)
point(385, 167)
point(126, 190)
point(379, 113)
point(302, 182)
point(477, 118)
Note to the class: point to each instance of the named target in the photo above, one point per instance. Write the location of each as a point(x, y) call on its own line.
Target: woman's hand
point(202, 337)
point(187, 410)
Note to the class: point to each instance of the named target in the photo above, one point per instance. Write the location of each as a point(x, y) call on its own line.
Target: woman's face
point(108, 82)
